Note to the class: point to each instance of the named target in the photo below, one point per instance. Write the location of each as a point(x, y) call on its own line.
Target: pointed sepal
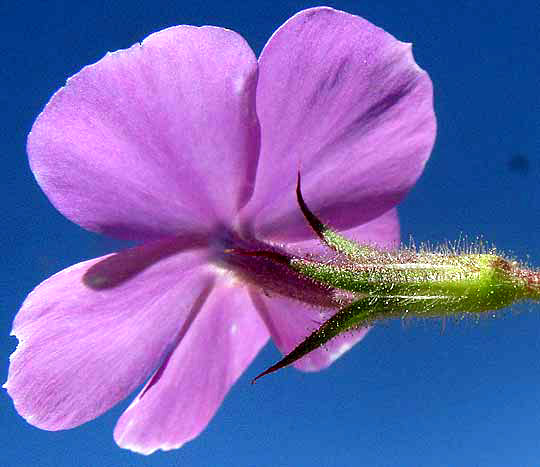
point(329, 237)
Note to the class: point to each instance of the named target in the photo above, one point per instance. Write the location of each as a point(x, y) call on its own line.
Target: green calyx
point(470, 283)
point(404, 283)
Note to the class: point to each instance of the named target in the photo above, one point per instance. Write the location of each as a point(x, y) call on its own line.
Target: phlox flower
point(190, 146)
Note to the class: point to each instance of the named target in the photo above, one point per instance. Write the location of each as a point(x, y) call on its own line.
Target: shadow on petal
point(124, 265)
point(197, 306)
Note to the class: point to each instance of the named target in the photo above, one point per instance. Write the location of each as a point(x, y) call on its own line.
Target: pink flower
point(189, 145)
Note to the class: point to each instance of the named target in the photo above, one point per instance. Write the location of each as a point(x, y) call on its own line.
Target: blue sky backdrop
point(412, 393)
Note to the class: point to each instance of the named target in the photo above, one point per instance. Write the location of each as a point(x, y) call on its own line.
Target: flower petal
point(343, 102)
point(183, 395)
point(82, 348)
point(290, 322)
point(155, 140)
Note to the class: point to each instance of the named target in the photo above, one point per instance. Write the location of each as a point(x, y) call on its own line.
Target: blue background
point(411, 394)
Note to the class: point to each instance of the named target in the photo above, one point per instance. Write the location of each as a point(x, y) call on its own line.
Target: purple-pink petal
point(344, 102)
point(82, 349)
point(183, 395)
point(290, 322)
point(155, 140)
